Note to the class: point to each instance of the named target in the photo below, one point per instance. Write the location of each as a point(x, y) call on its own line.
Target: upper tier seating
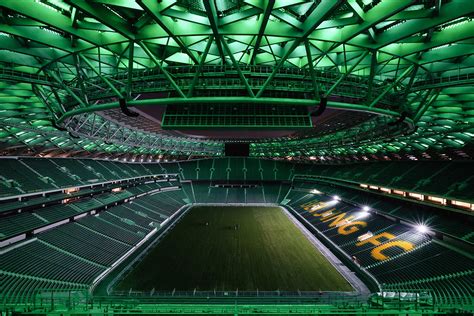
point(228, 169)
point(444, 178)
point(203, 192)
point(37, 215)
point(58, 175)
point(25, 179)
point(80, 169)
point(29, 175)
point(448, 179)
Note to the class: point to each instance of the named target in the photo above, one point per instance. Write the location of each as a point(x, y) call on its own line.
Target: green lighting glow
point(61, 60)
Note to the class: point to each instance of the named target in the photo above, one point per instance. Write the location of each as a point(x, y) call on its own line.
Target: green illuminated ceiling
point(63, 60)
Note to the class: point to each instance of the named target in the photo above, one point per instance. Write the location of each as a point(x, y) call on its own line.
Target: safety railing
point(20, 76)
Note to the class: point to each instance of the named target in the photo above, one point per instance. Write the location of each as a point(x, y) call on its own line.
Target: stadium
point(234, 157)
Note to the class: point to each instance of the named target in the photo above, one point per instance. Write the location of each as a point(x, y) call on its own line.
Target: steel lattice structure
point(407, 64)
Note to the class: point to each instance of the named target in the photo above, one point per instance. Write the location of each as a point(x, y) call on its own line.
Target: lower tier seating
point(444, 221)
point(453, 289)
point(397, 255)
point(73, 255)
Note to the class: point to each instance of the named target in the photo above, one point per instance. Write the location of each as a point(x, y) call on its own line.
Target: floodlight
point(422, 228)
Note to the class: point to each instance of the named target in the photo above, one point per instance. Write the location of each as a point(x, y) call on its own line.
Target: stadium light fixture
point(422, 228)
point(314, 191)
point(364, 213)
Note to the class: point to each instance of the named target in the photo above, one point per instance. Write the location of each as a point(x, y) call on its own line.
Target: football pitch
point(228, 248)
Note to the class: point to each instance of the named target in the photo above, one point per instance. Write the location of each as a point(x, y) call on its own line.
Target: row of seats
point(29, 175)
point(23, 288)
point(228, 169)
point(80, 241)
point(443, 221)
point(438, 178)
point(18, 223)
point(423, 264)
point(419, 176)
point(13, 224)
point(26, 175)
point(41, 260)
point(262, 193)
point(73, 255)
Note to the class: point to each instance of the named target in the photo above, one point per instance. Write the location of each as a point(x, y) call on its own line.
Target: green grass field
point(268, 252)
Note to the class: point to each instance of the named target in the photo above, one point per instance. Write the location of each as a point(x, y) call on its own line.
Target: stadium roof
point(397, 76)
